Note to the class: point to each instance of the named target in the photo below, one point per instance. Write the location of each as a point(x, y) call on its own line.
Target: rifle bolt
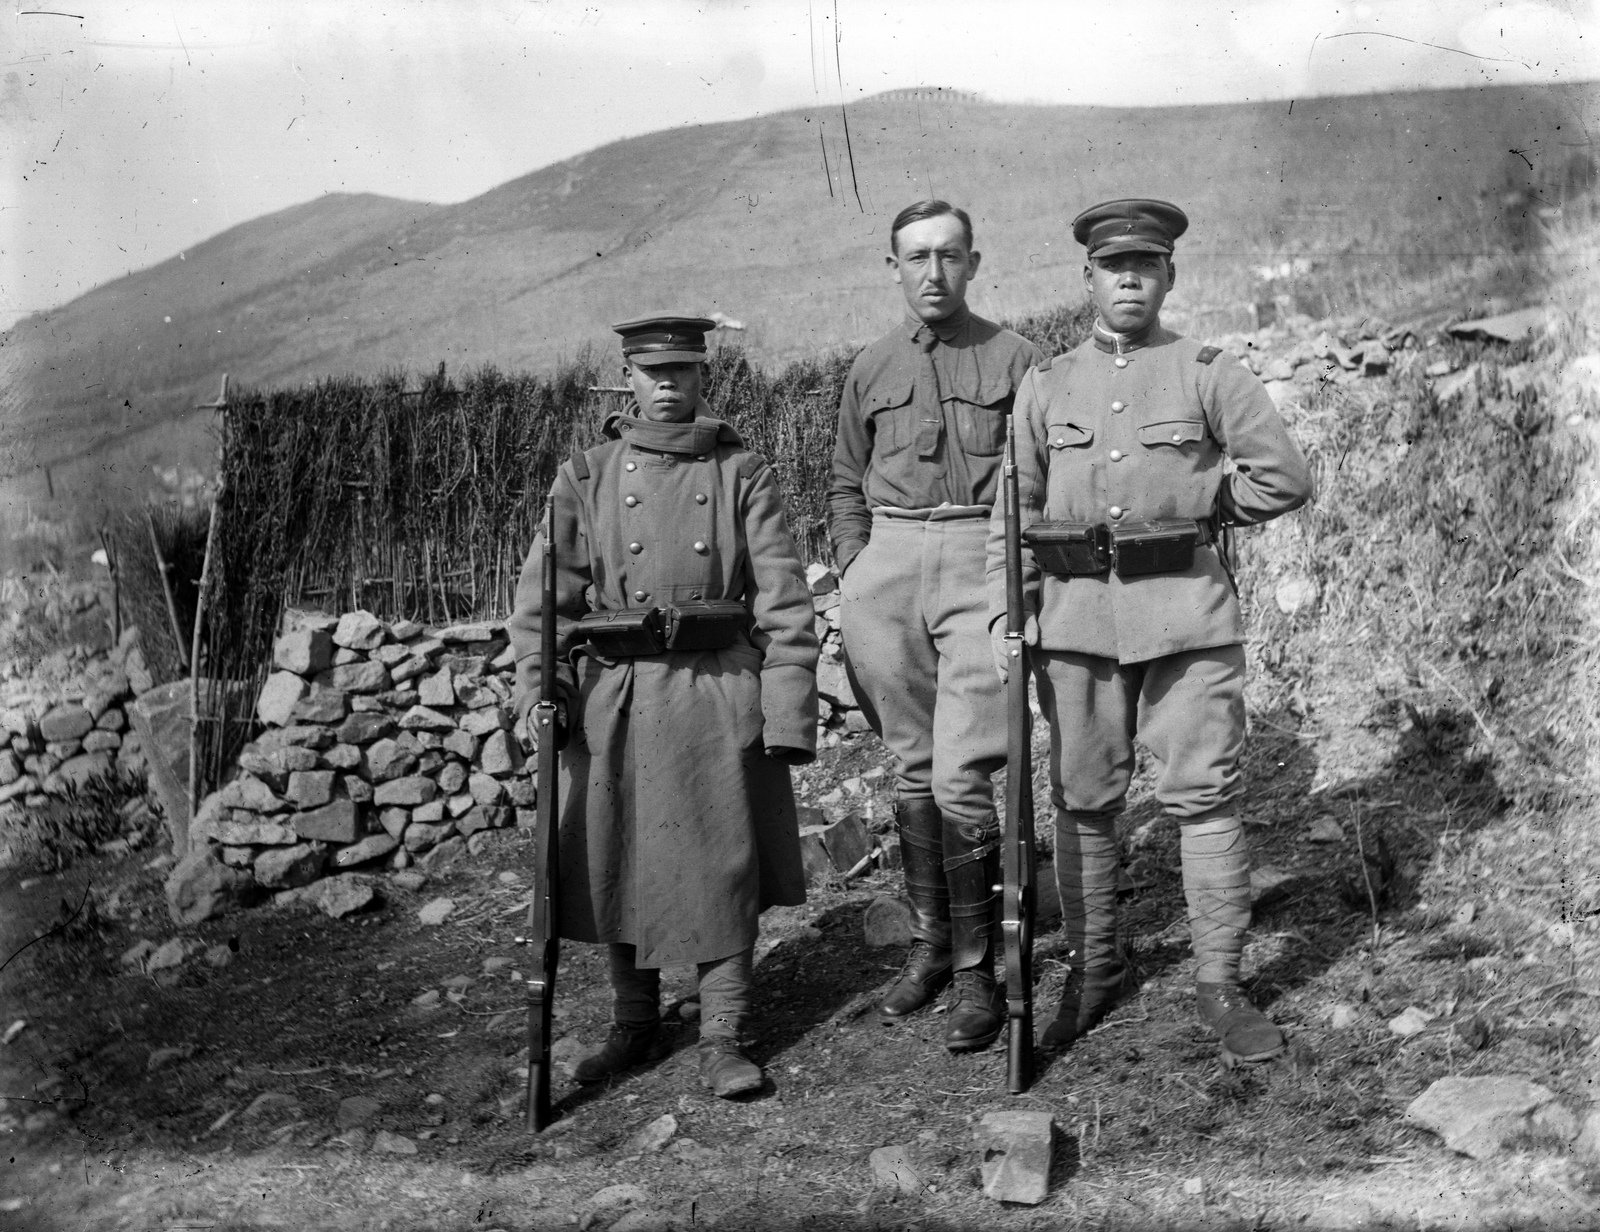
point(519, 941)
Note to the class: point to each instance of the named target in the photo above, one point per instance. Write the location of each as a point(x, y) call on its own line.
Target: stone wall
point(386, 745)
point(383, 745)
point(68, 722)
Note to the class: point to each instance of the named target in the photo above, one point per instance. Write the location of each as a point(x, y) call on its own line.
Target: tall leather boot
point(1098, 978)
point(1216, 883)
point(972, 871)
point(927, 966)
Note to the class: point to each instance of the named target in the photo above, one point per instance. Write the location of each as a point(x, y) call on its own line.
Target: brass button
point(1177, 437)
point(1117, 406)
point(636, 548)
point(699, 457)
point(639, 596)
point(1120, 362)
point(1116, 455)
point(1115, 511)
point(1061, 440)
point(631, 466)
point(700, 546)
point(630, 501)
point(699, 498)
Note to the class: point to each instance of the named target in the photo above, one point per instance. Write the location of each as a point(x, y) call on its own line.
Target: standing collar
point(1113, 343)
point(944, 330)
point(693, 436)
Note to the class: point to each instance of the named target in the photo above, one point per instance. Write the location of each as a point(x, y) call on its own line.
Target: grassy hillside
point(1383, 192)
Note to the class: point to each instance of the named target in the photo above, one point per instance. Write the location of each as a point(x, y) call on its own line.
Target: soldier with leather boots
point(688, 660)
point(1122, 445)
point(915, 471)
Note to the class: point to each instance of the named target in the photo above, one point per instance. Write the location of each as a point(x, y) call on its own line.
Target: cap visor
point(650, 359)
point(1130, 244)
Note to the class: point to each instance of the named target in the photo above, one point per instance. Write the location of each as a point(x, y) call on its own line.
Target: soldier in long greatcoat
point(678, 822)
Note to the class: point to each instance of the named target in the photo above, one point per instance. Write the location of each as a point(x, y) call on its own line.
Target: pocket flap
point(1172, 432)
point(1067, 436)
point(991, 390)
point(886, 397)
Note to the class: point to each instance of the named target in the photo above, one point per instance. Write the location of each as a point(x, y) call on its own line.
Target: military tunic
point(677, 827)
point(1132, 433)
point(916, 468)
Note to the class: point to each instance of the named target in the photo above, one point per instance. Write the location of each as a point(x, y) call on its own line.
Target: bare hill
point(777, 221)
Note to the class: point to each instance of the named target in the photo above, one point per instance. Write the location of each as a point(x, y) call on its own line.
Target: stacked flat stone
point(837, 707)
point(384, 743)
point(66, 723)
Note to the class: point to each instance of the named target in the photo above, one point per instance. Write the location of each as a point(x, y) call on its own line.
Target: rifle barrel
point(1017, 860)
point(543, 915)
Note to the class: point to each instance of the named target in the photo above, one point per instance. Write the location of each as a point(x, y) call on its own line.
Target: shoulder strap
point(1207, 354)
point(1044, 365)
point(580, 464)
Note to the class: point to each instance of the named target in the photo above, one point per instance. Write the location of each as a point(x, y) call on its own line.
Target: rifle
point(543, 914)
point(1016, 923)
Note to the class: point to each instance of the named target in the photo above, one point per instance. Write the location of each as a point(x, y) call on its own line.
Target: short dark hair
point(931, 208)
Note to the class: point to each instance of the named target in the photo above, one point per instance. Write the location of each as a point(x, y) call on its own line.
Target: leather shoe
point(1086, 998)
point(726, 1070)
point(1248, 1036)
point(978, 1014)
point(627, 1045)
point(925, 974)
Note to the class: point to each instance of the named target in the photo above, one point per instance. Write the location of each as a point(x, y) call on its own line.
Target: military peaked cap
point(1132, 224)
point(665, 340)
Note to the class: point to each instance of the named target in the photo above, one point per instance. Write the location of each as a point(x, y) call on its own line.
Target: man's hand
point(1002, 649)
point(527, 731)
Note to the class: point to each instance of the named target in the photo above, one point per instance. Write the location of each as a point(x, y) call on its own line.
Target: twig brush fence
point(420, 502)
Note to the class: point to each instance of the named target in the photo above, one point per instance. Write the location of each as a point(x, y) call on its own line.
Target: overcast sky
point(134, 129)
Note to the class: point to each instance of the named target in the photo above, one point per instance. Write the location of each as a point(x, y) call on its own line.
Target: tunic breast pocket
point(1067, 436)
point(1172, 434)
point(981, 429)
point(893, 419)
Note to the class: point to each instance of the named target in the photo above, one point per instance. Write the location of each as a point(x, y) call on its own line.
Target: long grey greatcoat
point(677, 827)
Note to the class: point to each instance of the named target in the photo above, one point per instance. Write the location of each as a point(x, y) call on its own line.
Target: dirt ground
point(210, 1096)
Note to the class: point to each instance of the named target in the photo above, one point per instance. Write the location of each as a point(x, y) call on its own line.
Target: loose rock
point(891, 1169)
point(1014, 1150)
point(887, 921)
point(1475, 1116)
point(436, 912)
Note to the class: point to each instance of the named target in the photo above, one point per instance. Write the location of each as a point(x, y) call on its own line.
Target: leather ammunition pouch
point(625, 632)
point(631, 632)
point(705, 624)
point(1084, 549)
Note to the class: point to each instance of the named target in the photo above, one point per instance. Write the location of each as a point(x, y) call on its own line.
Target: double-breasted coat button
point(631, 466)
point(1120, 362)
point(699, 498)
point(639, 596)
point(1115, 511)
point(1117, 406)
point(1116, 455)
point(1177, 438)
point(630, 501)
point(636, 548)
point(700, 546)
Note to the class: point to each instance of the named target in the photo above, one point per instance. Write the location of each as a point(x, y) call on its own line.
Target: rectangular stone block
point(339, 822)
point(303, 651)
point(321, 705)
point(364, 676)
point(1014, 1155)
point(311, 788)
point(847, 842)
point(373, 847)
point(278, 698)
point(410, 790)
point(813, 855)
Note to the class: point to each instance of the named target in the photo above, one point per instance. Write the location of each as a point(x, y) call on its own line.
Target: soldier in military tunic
point(916, 465)
point(688, 671)
point(1121, 445)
